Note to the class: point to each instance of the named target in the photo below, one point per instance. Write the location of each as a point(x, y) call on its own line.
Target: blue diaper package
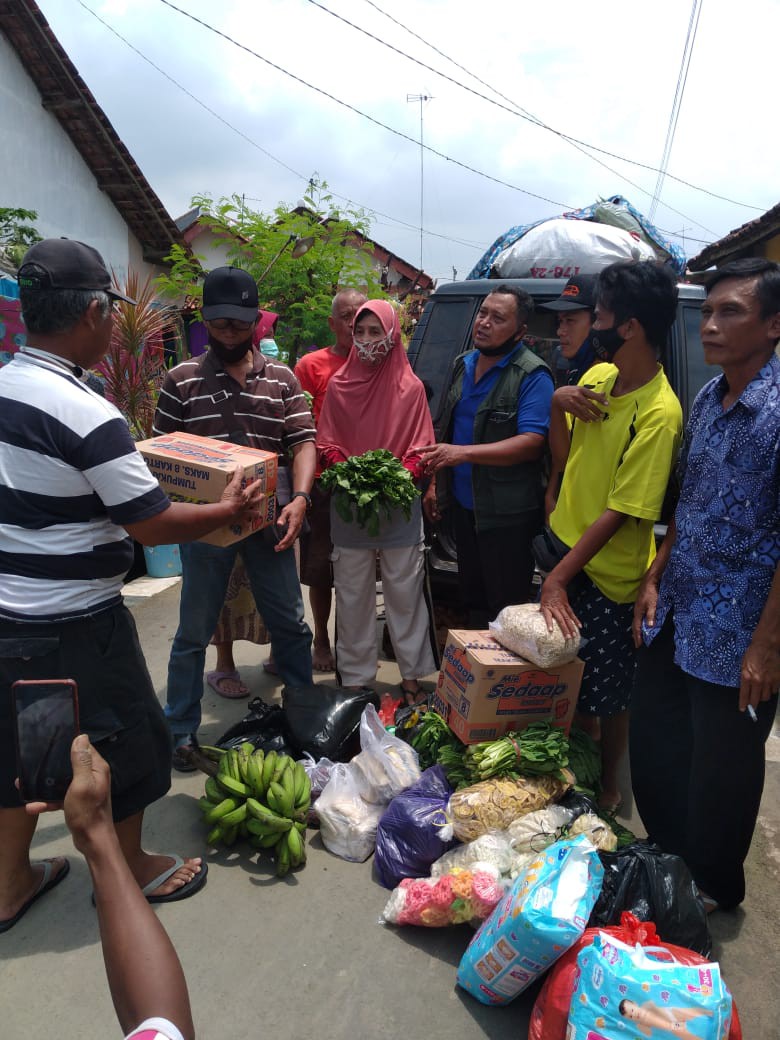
point(622, 992)
point(543, 914)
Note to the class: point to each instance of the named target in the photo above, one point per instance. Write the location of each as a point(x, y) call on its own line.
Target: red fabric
point(266, 323)
point(550, 1014)
point(314, 372)
point(382, 406)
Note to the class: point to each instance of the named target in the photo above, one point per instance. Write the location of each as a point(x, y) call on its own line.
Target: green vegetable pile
point(436, 744)
point(540, 748)
point(366, 484)
point(585, 761)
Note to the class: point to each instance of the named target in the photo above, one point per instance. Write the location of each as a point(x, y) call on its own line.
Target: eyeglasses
point(221, 324)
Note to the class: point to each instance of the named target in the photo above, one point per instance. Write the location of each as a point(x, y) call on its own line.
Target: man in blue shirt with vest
point(708, 610)
point(494, 427)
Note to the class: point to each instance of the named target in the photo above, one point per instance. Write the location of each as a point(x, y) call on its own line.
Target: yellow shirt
point(622, 463)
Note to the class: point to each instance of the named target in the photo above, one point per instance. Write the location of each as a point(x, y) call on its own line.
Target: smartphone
point(47, 719)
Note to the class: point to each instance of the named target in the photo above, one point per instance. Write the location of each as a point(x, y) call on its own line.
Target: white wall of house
point(43, 171)
point(212, 249)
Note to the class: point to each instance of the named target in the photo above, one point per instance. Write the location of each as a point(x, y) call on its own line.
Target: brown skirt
point(240, 618)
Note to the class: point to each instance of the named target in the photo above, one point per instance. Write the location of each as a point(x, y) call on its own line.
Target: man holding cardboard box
point(234, 393)
point(74, 489)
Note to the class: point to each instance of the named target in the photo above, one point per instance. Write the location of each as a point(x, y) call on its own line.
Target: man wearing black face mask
point(624, 441)
point(233, 392)
point(494, 428)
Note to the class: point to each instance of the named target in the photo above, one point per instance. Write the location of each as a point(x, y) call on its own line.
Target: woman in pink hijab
point(376, 401)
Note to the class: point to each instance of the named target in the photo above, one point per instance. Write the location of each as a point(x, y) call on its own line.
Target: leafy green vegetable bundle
point(436, 744)
point(539, 748)
point(366, 484)
point(585, 761)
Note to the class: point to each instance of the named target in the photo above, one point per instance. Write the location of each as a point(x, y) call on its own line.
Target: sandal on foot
point(218, 682)
point(414, 698)
point(328, 653)
point(48, 881)
point(269, 666)
point(181, 759)
point(183, 892)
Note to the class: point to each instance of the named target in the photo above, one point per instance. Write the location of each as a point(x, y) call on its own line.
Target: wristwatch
point(301, 494)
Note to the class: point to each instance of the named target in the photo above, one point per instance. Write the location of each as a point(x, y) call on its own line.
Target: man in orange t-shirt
point(314, 372)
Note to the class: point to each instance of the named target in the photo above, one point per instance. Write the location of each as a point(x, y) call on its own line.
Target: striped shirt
point(70, 478)
point(271, 409)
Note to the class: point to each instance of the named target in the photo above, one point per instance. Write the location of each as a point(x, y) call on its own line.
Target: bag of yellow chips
point(493, 804)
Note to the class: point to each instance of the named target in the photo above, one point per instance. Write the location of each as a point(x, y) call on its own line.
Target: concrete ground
point(307, 955)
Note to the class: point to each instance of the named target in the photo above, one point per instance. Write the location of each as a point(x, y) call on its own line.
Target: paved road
point(307, 955)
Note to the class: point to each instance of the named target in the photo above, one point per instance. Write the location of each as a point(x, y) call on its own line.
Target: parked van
point(444, 331)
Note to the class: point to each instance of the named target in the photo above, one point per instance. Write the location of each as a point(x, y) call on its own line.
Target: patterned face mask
point(373, 351)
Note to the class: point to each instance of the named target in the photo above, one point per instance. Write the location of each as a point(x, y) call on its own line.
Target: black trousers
point(697, 768)
point(495, 567)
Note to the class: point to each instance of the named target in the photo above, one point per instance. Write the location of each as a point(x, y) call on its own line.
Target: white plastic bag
point(347, 822)
point(318, 772)
point(386, 765)
point(523, 630)
point(559, 248)
point(493, 848)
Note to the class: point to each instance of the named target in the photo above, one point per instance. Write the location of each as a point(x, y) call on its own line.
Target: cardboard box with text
point(198, 469)
point(485, 691)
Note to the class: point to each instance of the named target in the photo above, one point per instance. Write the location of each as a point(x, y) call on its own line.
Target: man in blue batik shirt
point(708, 610)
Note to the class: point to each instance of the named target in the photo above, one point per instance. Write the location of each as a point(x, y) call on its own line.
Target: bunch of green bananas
point(262, 798)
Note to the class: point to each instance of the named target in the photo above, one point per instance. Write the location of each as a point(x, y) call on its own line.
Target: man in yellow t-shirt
point(626, 431)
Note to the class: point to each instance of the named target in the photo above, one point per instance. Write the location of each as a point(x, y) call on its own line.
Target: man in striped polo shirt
point(73, 490)
point(235, 393)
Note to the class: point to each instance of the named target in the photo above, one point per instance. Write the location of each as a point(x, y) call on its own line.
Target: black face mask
point(506, 348)
point(606, 343)
point(230, 355)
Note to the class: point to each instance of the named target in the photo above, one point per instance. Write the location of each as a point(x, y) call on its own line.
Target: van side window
point(698, 372)
point(447, 334)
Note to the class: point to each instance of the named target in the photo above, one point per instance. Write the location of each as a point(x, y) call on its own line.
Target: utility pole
point(421, 98)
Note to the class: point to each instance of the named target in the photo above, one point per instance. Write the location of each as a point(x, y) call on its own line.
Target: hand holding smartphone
point(47, 721)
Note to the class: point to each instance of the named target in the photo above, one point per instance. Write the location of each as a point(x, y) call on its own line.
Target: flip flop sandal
point(180, 893)
point(269, 666)
point(215, 679)
point(47, 883)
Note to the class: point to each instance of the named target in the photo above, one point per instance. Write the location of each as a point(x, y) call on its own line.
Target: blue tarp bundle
point(675, 255)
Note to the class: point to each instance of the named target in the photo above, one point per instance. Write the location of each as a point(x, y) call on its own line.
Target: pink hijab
point(368, 407)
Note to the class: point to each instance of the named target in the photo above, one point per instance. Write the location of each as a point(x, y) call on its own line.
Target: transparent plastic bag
point(347, 822)
point(386, 765)
point(523, 630)
point(318, 772)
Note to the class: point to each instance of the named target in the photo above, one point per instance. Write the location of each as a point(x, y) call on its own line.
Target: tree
point(299, 288)
point(16, 237)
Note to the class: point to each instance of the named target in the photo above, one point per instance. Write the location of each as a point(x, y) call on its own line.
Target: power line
point(518, 110)
point(679, 91)
point(365, 115)
point(270, 155)
point(521, 113)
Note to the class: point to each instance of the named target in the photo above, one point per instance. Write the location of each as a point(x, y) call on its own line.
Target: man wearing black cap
point(576, 311)
point(575, 308)
point(233, 392)
point(73, 490)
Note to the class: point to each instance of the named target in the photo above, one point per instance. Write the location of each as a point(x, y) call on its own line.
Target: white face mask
point(373, 351)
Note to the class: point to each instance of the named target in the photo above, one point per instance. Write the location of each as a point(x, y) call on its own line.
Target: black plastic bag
point(264, 724)
point(654, 886)
point(324, 721)
point(408, 834)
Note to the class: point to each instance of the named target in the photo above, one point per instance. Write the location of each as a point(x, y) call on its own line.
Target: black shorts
point(118, 707)
point(607, 650)
point(316, 568)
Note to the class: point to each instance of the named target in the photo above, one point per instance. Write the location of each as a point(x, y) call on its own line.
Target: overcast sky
point(603, 71)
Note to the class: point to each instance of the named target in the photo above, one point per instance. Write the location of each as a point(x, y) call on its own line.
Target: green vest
point(502, 494)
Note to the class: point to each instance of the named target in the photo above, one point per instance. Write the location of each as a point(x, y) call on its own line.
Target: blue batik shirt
point(728, 527)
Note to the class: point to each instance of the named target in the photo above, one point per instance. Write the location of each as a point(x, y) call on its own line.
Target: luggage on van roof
point(550, 252)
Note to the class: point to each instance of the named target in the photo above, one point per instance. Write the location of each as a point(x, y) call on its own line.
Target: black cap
point(579, 294)
point(229, 292)
point(63, 263)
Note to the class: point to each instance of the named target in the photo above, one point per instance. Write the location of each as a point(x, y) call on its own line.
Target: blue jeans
point(206, 571)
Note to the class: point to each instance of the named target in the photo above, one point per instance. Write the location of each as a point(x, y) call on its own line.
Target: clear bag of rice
point(523, 630)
